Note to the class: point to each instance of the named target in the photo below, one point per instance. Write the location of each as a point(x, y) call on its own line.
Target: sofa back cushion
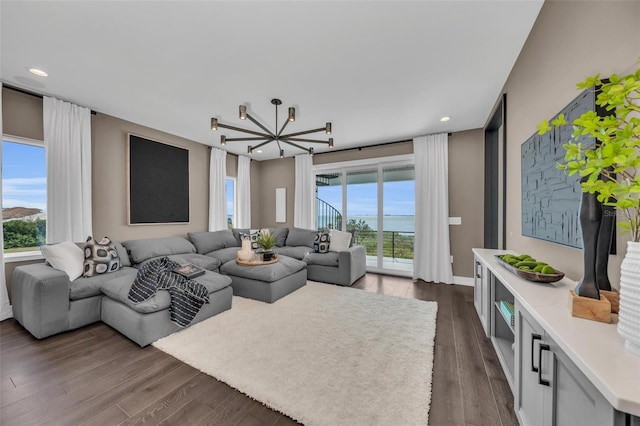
point(206, 242)
point(301, 237)
point(281, 235)
point(141, 250)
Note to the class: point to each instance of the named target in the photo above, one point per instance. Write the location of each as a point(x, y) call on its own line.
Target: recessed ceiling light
point(38, 72)
point(259, 151)
point(445, 118)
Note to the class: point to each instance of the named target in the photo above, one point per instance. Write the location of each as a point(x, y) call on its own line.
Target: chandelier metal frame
point(267, 136)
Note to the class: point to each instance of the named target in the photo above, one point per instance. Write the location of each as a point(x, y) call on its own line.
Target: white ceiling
point(380, 71)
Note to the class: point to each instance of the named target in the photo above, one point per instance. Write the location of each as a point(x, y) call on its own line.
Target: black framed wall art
point(157, 182)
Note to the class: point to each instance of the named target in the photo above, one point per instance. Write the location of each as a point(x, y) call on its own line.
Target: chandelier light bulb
point(223, 140)
point(310, 152)
point(328, 129)
point(38, 72)
point(292, 114)
point(282, 153)
point(214, 123)
point(243, 112)
point(330, 142)
point(249, 149)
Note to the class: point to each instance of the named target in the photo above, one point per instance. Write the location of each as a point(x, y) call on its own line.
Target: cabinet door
point(571, 399)
point(481, 294)
point(529, 393)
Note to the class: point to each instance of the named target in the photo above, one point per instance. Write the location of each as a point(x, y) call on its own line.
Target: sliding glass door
point(376, 202)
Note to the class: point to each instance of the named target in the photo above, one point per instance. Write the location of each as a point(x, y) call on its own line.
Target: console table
point(562, 370)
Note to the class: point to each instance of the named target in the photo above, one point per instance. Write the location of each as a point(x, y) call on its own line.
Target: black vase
point(596, 221)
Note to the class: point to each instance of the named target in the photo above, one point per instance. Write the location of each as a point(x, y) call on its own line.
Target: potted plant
point(266, 241)
point(609, 170)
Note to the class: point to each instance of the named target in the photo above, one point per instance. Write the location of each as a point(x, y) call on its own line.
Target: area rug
point(323, 355)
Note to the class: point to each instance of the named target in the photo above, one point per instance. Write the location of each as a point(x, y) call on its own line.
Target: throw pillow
point(321, 242)
point(66, 257)
point(100, 257)
point(252, 236)
point(339, 240)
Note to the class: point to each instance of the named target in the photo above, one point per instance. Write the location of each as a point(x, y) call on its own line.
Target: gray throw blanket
point(187, 296)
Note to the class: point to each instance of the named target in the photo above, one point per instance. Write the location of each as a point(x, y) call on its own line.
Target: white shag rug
point(323, 355)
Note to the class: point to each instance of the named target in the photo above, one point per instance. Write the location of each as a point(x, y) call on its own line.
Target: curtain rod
point(30, 93)
point(360, 148)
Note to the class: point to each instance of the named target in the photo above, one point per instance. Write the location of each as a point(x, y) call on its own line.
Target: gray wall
point(569, 41)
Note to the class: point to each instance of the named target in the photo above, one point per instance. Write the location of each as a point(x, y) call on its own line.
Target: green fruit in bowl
point(548, 270)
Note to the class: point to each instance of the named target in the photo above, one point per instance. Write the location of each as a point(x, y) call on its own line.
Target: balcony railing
point(395, 244)
point(327, 215)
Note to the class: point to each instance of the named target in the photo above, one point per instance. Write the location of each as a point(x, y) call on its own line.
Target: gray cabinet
point(481, 293)
point(528, 401)
point(550, 389)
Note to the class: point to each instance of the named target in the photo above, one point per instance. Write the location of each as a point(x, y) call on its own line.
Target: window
point(231, 202)
point(24, 194)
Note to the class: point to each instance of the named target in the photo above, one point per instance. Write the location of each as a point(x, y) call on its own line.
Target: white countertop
point(596, 348)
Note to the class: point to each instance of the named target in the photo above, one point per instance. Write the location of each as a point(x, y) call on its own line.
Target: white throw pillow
point(66, 257)
point(339, 240)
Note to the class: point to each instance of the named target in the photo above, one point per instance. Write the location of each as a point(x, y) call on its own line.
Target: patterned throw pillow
point(251, 236)
point(321, 242)
point(100, 257)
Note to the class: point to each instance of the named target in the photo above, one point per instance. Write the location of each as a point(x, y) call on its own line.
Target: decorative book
point(189, 270)
point(508, 311)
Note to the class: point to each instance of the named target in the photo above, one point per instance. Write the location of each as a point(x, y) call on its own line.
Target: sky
point(24, 176)
point(399, 198)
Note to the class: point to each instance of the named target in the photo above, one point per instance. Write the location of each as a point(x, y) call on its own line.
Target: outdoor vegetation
point(398, 245)
point(23, 235)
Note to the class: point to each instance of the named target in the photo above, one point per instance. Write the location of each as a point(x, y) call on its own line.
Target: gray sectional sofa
point(46, 302)
point(341, 268)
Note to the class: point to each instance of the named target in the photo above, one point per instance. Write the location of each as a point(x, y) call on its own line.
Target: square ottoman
point(266, 283)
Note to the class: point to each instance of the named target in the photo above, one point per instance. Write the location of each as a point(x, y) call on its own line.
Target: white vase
point(629, 315)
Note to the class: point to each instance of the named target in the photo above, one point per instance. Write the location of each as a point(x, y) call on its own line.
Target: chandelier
point(267, 136)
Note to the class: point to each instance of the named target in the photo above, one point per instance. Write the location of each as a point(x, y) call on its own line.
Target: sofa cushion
point(122, 254)
point(206, 242)
point(321, 242)
point(269, 273)
point(66, 257)
point(161, 300)
point(92, 286)
point(237, 234)
point(324, 259)
point(296, 252)
point(100, 257)
point(204, 262)
point(340, 240)
point(281, 235)
point(224, 255)
point(143, 249)
point(301, 237)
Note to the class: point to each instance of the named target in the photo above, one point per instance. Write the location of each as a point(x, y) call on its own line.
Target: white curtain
point(5, 306)
point(243, 192)
point(431, 255)
point(67, 138)
point(303, 212)
point(218, 190)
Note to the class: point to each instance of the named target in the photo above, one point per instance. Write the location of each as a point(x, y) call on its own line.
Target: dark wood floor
point(95, 376)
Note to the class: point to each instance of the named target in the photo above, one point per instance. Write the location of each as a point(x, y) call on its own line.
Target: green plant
point(609, 167)
point(266, 240)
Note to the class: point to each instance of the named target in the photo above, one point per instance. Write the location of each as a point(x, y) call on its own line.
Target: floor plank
point(94, 375)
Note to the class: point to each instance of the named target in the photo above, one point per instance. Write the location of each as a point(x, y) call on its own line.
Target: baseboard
point(463, 281)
